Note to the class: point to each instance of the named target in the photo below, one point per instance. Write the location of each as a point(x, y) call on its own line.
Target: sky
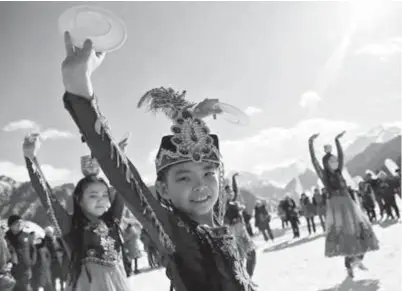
point(295, 68)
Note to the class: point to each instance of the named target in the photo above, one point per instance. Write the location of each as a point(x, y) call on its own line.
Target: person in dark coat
point(368, 200)
point(41, 272)
point(319, 201)
point(262, 220)
point(20, 242)
point(282, 214)
point(55, 249)
point(388, 194)
point(291, 215)
point(308, 212)
point(379, 199)
point(7, 282)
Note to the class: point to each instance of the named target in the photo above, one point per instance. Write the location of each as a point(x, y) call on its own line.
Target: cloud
point(20, 125)
point(152, 155)
point(55, 134)
point(54, 176)
point(381, 49)
point(309, 100)
point(252, 110)
point(274, 146)
point(25, 124)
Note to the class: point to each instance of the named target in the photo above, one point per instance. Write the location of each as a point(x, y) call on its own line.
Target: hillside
point(373, 157)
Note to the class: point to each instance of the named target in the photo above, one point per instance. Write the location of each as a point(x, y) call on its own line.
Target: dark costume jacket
point(198, 257)
point(101, 240)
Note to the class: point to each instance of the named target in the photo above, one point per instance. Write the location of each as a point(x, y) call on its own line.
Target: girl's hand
point(340, 135)
point(31, 145)
point(78, 67)
point(313, 137)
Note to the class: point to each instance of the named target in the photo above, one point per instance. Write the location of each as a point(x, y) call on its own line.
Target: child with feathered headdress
point(184, 223)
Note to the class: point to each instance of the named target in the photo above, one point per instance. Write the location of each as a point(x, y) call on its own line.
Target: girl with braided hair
point(348, 231)
point(91, 234)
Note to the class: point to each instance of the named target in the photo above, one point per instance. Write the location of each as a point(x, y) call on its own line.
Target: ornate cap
point(191, 139)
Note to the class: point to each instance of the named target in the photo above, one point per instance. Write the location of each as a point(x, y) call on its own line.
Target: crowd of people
point(194, 226)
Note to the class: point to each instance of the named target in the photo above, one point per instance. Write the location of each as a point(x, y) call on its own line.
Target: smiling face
point(191, 187)
point(95, 199)
point(333, 163)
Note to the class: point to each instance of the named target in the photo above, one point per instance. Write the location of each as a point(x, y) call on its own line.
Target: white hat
point(106, 30)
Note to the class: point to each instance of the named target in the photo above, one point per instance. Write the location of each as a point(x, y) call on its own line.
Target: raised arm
point(57, 214)
point(313, 157)
point(117, 207)
point(339, 150)
point(79, 100)
point(234, 187)
point(120, 171)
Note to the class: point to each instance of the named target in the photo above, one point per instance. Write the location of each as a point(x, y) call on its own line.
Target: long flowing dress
point(348, 230)
point(102, 268)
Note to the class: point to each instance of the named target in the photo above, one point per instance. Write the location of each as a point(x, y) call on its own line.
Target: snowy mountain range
point(282, 175)
point(371, 150)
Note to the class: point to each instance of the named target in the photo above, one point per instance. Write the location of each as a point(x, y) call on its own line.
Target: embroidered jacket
point(198, 257)
point(101, 242)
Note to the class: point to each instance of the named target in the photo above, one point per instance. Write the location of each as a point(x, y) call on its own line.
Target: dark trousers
point(322, 221)
point(266, 231)
point(381, 205)
point(370, 213)
point(251, 262)
point(351, 259)
point(295, 226)
point(310, 224)
point(23, 281)
point(389, 205)
point(249, 229)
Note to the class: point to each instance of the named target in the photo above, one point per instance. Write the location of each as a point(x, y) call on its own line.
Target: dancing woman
point(348, 231)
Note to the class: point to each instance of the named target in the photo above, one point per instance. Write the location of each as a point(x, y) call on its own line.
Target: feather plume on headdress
point(165, 100)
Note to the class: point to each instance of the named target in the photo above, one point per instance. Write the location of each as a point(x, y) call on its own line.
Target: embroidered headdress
point(191, 139)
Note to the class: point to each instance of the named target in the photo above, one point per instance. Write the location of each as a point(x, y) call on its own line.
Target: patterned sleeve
point(315, 162)
point(119, 170)
point(57, 214)
point(340, 154)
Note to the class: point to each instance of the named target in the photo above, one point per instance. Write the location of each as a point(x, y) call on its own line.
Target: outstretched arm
point(120, 171)
point(313, 157)
point(340, 153)
point(234, 187)
point(57, 214)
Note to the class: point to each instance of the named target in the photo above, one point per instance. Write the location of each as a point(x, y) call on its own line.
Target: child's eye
point(183, 179)
point(210, 174)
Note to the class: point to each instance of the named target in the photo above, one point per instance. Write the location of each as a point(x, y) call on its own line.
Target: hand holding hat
point(78, 67)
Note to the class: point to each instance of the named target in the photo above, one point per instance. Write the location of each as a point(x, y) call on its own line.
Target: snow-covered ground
point(289, 265)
